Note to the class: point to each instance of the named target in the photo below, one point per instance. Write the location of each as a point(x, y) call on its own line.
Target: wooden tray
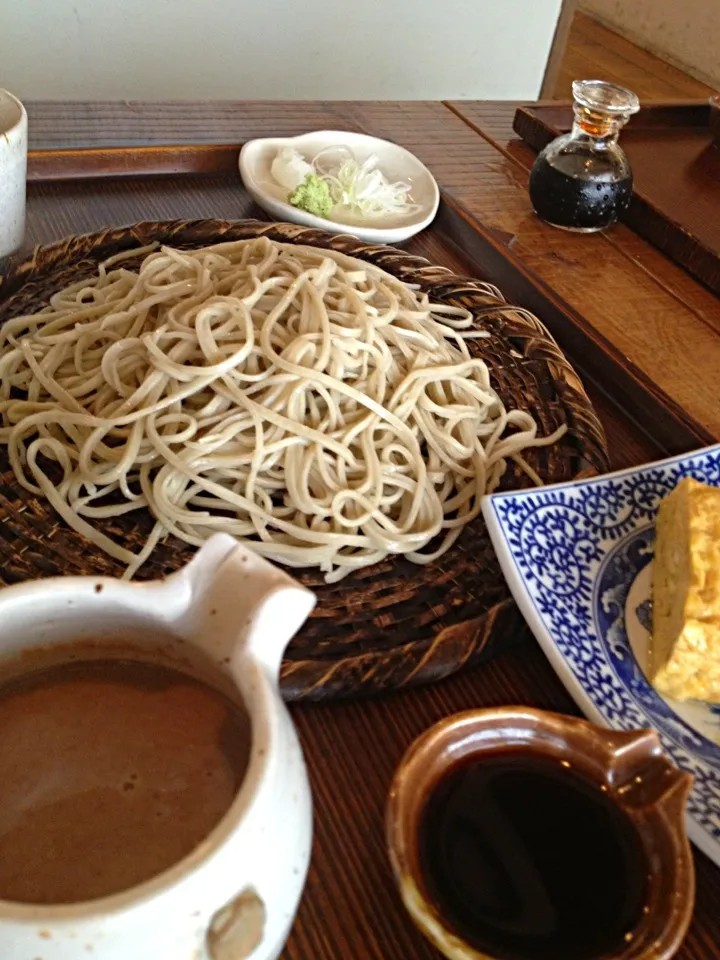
point(676, 166)
point(393, 624)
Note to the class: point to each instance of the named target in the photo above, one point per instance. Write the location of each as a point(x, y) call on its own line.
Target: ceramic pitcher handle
point(241, 605)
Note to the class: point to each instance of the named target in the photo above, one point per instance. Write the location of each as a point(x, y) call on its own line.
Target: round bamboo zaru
point(392, 624)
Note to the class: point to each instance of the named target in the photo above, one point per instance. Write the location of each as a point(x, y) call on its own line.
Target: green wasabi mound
point(313, 196)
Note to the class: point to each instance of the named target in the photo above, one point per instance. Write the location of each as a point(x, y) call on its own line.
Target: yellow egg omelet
point(685, 644)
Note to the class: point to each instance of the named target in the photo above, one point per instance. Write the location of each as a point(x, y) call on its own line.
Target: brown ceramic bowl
point(631, 768)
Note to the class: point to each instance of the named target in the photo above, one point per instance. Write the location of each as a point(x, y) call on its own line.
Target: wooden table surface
point(650, 312)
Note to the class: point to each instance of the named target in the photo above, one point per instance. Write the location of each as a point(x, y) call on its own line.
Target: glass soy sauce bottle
point(582, 180)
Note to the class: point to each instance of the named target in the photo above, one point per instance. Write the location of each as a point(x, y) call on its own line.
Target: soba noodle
point(304, 401)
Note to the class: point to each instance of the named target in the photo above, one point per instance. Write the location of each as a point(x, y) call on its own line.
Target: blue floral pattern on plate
point(577, 559)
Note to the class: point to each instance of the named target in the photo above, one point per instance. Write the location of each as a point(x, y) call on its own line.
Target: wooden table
point(661, 327)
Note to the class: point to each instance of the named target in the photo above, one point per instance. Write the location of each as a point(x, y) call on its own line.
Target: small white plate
point(577, 557)
point(395, 162)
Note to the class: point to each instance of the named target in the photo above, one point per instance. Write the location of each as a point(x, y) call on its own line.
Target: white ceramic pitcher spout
point(238, 605)
point(227, 615)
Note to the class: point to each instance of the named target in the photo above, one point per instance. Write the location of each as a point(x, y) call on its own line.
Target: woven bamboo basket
point(392, 624)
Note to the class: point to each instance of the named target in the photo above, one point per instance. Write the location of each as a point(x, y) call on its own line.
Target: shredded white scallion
point(356, 187)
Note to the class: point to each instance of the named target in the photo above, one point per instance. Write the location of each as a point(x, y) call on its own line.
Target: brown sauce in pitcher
point(528, 860)
point(111, 771)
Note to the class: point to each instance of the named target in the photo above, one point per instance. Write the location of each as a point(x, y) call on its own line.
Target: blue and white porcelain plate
point(578, 559)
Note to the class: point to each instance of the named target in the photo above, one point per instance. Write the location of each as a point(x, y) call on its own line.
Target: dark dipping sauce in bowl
point(528, 860)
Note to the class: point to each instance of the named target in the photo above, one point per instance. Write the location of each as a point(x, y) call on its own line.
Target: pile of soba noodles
point(304, 401)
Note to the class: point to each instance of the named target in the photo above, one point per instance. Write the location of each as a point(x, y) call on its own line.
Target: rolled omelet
point(685, 644)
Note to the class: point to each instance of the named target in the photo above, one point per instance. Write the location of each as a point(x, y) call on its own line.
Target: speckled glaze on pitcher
point(227, 615)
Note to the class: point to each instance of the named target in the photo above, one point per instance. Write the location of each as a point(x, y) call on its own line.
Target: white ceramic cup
point(13, 169)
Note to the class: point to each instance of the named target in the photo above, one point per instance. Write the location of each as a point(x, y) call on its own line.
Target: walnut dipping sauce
point(516, 834)
point(154, 802)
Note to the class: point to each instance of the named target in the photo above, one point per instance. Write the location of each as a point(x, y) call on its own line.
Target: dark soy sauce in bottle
point(582, 180)
point(528, 860)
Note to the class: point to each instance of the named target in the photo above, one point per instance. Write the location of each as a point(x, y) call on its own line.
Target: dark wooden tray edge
point(92, 163)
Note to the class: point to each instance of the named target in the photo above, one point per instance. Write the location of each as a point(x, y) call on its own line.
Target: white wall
point(685, 32)
point(277, 49)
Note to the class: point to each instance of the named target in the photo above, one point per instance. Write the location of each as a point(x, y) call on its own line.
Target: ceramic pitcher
point(228, 614)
